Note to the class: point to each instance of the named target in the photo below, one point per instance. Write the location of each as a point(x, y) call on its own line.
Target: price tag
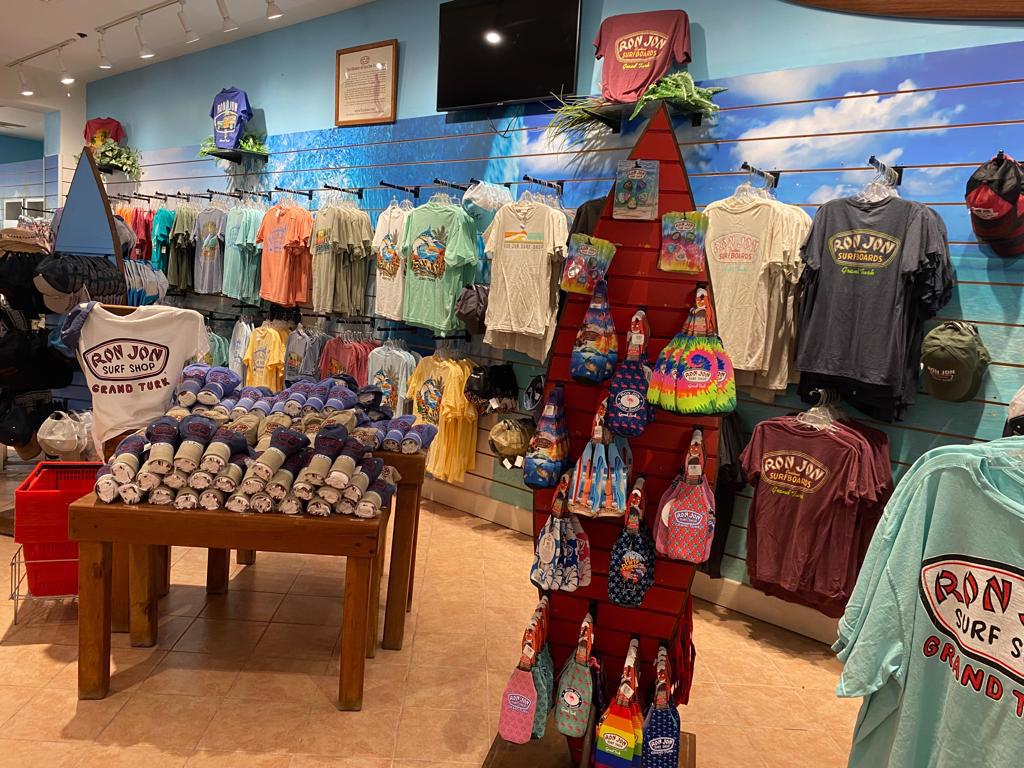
point(549, 411)
point(506, 463)
point(519, 461)
point(495, 403)
point(636, 339)
point(598, 433)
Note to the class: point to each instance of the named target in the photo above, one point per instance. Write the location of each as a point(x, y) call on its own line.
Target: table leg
point(246, 557)
point(403, 544)
point(415, 545)
point(94, 585)
point(142, 559)
point(163, 571)
point(375, 578)
point(353, 632)
point(119, 612)
point(218, 567)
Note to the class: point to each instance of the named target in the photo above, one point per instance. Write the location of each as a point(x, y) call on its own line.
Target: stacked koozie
point(304, 450)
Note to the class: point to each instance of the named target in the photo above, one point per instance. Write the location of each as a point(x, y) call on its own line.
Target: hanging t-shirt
point(100, 129)
point(390, 370)
point(438, 241)
point(859, 256)
point(230, 113)
point(425, 389)
point(295, 351)
point(131, 363)
point(639, 48)
point(284, 233)
point(523, 240)
point(163, 223)
point(932, 637)
point(390, 276)
point(239, 344)
point(181, 260)
point(208, 234)
point(264, 359)
point(324, 244)
point(234, 239)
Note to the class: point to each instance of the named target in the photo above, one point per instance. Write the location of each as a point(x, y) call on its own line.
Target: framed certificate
point(366, 84)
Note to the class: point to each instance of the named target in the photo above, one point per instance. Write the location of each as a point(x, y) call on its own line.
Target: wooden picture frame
point(366, 84)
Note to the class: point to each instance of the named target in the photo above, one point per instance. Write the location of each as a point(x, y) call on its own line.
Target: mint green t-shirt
point(937, 647)
point(438, 242)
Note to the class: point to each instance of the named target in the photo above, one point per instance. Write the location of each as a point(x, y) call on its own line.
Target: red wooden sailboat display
point(634, 281)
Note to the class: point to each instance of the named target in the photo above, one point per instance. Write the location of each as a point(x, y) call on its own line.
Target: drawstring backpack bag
point(696, 371)
point(661, 726)
point(562, 556)
point(576, 686)
point(629, 413)
point(548, 456)
point(519, 699)
point(600, 479)
point(596, 349)
point(543, 673)
point(686, 525)
point(631, 568)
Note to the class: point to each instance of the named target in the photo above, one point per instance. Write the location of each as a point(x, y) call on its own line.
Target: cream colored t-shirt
point(744, 237)
point(524, 240)
point(132, 364)
point(390, 275)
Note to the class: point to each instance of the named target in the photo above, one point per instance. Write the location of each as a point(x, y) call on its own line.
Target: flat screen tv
point(494, 52)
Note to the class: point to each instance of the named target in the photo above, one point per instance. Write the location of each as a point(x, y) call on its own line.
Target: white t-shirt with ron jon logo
point(132, 363)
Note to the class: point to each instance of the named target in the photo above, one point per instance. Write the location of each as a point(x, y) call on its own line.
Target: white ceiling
point(27, 124)
point(29, 25)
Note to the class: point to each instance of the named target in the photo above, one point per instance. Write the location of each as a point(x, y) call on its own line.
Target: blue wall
point(289, 72)
point(51, 133)
point(14, 149)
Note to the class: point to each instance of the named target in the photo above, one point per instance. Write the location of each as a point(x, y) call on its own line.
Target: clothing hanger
point(824, 414)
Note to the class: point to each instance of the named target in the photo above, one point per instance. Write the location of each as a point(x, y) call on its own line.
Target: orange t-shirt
point(286, 264)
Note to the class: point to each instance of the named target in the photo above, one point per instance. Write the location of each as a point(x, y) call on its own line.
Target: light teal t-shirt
point(233, 226)
point(937, 648)
point(438, 242)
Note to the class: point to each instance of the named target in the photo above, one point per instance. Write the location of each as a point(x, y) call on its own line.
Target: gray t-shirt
point(295, 351)
point(208, 234)
point(856, 307)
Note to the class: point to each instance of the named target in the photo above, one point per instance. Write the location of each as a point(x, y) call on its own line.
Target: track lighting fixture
point(65, 76)
point(273, 12)
point(190, 36)
point(26, 89)
point(145, 52)
point(228, 25)
point(104, 61)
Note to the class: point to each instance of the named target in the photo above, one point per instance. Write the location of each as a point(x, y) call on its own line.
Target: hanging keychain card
point(587, 262)
point(636, 190)
point(682, 242)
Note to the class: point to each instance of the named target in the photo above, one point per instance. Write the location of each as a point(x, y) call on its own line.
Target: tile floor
point(248, 679)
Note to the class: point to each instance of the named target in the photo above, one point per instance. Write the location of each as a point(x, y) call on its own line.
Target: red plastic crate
point(41, 524)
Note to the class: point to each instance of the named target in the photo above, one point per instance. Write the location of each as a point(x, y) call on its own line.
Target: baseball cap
point(511, 437)
point(953, 361)
point(1015, 416)
point(997, 206)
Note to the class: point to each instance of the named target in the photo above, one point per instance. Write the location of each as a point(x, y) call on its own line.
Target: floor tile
point(141, 756)
point(433, 734)
point(787, 748)
point(34, 665)
point(259, 579)
point(326, 585)
point(169, 632)
point(35, 754)
point(129, 669)
point(384, 685)
point(55, 714)
point(222, 637)
point(450, 649)
point(297, 641)
point(310, 609)
point(171, 723)
point(767, 706)
point(446, 688)
point(192, 674)
point(725, 746)
point(183, 600)
point(206, 759)
point(317, 761)
point(284, 679)
point(260, 727)
point(13, 698)
point(367, 733)
point(242, 605)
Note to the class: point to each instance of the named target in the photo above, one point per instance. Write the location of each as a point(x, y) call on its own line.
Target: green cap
point(953, 361)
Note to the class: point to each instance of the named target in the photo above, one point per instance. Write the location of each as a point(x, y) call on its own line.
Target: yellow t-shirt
point(264, 359)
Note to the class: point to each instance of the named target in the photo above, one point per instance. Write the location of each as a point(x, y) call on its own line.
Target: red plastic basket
point(41, 523)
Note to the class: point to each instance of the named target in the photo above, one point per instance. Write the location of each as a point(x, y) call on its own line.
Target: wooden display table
point(146, 528)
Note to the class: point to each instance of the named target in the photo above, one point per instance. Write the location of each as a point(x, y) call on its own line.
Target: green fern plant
point(250, 142)
point(125, 159)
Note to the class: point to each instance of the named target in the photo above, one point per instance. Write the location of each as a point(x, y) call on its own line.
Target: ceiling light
point(493, 37)
point(65, 76)
point(104, 61)
point(228, 25)
point(145, 52)
point(26, 89)
point(273, 12)
point(190, 36)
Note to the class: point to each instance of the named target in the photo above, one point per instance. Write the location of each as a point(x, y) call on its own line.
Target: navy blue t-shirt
point(230, 113)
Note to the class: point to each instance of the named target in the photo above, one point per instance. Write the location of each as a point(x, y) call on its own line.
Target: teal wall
point(289, 72)
point(14, 149)
point(51, 133)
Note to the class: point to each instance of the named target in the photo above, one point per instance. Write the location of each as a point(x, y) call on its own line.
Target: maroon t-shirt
point(807, 488)
point(638, 48)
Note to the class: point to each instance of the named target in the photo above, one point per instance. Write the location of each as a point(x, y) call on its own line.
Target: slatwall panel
point(938, 114)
